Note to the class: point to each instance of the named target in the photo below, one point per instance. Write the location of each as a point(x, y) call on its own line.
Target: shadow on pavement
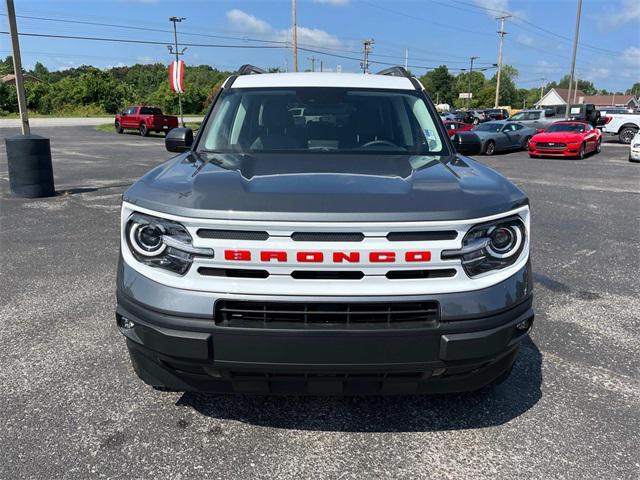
point(487, 407)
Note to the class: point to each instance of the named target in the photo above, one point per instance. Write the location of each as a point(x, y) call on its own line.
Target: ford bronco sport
point(321, 235)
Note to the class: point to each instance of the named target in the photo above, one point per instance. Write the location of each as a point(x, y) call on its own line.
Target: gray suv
point(321, 235)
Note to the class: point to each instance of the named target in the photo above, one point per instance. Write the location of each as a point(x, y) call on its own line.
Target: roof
point(564, 92)
point(323, 79)
point(610, 99)
point(11, 78)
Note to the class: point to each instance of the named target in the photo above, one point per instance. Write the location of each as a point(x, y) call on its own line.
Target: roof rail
point(248, 69)
point(396, 71)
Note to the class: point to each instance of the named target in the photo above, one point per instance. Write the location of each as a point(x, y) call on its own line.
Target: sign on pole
point(465, 95)
point(176, 76)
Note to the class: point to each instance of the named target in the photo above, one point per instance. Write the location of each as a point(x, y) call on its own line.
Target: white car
point(634, 151)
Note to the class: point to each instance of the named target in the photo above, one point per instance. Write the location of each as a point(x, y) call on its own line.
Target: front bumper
point(569, 151)
point(475, 342)
point(634, 155)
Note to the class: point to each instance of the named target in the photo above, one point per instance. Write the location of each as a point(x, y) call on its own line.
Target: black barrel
point(30, 170)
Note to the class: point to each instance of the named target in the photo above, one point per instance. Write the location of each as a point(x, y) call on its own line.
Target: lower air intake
point(232, 313)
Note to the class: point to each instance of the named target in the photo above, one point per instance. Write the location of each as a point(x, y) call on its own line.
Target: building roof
point(564, 92)
point(11, 78)
point(603, 100)
point(323, 79)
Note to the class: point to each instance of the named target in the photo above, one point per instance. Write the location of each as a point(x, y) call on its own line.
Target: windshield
point(489, 127)
point(566, 127)
point(321, 120)
point(518, 116)
point(150, 111)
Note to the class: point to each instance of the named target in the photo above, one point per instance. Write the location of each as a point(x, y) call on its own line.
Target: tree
point(508, 89)
point(462, 85)
point(634, 90)
point(583, 85)
point(440, 85)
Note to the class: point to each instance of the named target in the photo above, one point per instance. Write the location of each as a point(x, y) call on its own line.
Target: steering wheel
point(378, 142)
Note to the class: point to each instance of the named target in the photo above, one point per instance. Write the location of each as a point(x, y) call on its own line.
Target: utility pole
point(542, 87)
point(573, 60)
point(406, 59)
point(502, 34)
point(321, 65)
point(470, 75)
point(294, 36)
point(313, 63)
point(28, 156)
point(17, 69)
point(367, 46)
point(173, 49)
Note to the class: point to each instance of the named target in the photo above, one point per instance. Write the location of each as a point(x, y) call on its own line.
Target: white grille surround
point(280, 282)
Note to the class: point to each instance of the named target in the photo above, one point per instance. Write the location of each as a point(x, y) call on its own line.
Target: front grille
point(551, 146)
point(327, 275)
point(407, 274)
point(233, 272)
point(232, 234)
point(235, 313)
point(327, 236)
point(421, 236)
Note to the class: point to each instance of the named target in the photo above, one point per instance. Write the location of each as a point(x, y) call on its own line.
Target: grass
point(109, 128)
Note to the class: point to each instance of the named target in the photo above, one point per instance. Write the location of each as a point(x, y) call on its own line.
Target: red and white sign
point(176, 76)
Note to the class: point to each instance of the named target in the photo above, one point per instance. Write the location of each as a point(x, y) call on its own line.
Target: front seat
point(277, 129)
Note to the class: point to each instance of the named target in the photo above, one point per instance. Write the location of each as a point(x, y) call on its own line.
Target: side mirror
point(179, 140)
point(467, 143)
point(540, 130)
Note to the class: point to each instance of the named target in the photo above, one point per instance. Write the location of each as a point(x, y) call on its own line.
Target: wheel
point(144, 131)
point(581, 152)
point(626, 134)
point(476, 121)
point(525, 144)
point(531, 155)
point(119, 128)
point(599, 146)
point(490, 148)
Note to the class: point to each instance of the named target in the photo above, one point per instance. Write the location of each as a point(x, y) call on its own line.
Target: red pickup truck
point(145, 120)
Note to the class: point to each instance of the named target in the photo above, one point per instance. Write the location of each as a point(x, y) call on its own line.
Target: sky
point(434, 32)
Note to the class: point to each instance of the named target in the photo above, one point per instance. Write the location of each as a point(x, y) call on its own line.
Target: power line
point(146, 42)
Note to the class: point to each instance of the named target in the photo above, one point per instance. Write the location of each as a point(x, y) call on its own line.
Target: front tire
point(119, 128)
point(144, 131)
point(599, 146)
point(626, 135)
point(525, 144)
point(581, 152)
point(490, 148)
point(476, 121)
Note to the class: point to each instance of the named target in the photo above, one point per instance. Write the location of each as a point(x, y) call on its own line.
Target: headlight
point(161, 243)
point(636, 146)
point(490, 246)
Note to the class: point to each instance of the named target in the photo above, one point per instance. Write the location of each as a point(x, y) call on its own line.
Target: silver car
point(502, 135)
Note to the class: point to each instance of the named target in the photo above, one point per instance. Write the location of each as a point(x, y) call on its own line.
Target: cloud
point(245, 22)
point(335, 3)
point(631, 57)
point(525, 39)
point(628, 11)
point(494, 6)
point(249, 24)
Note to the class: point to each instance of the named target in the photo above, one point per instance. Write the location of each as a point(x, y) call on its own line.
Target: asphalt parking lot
point(71, 406)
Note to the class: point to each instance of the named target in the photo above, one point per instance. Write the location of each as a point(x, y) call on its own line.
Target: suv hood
point(325, 187)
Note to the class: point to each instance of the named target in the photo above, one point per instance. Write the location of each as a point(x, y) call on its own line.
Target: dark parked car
point(496, 114)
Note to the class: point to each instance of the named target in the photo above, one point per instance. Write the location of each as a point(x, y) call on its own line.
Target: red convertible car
point(566, 139)
point(455, 127)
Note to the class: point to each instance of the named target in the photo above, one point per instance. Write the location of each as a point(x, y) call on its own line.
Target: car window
point(130, 111)
point(518, 116)
point(489, 127)
point(150, 111)
point(332, 120)
point(509, 127)
point(518, 126)
point(533, 115)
